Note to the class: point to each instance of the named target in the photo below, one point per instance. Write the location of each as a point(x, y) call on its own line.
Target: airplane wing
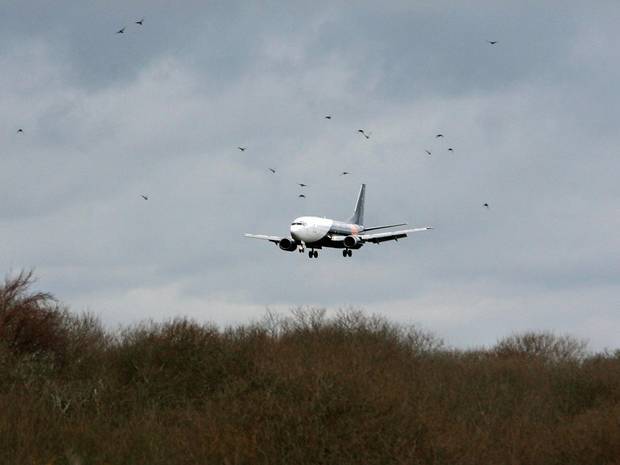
point(275, 239)
point(390, 235)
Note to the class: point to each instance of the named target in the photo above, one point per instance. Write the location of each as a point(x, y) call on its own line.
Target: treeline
point(301, 389)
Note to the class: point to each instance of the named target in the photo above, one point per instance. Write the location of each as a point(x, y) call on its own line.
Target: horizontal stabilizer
point(390, 235)
point(384, 227)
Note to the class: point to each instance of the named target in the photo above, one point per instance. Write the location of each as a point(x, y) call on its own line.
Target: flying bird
point(140, 22)
point(301, 184)
point(328, 117)
point(428, 152)
point(344, 173)
point(301, 196)
point(486, 205)
point(492, 42)
point(242, 148)
point(361, 131)
point(438, 136)
point(272, 170)
point(450, 149)
point(20, 131)
point(121, 31)
point(145, 197)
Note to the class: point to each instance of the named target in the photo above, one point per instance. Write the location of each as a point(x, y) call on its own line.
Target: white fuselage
point(310, 229)
point(316, 230)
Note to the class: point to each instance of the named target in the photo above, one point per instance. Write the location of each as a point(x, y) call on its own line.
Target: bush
point(545, 346)
point(30, 322)
point(305, 388)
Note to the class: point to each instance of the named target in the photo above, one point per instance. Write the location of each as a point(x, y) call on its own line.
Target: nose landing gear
point(313, 254)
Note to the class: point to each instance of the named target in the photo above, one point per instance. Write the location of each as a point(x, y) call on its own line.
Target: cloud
point(162, 110)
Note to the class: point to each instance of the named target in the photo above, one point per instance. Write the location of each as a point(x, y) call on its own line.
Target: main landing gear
point(313, 254)
point(347, 252)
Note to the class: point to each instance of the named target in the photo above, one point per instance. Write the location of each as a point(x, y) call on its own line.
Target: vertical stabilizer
point(358, 214)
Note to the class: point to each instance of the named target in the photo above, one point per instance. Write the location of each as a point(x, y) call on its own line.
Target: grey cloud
point(162, 110)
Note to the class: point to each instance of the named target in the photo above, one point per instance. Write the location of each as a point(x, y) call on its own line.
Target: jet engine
point(287, 244)
point(352, 242)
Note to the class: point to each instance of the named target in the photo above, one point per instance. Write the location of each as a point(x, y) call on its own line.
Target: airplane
point(314, 233)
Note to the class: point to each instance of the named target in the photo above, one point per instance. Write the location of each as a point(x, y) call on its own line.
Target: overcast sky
point(161, 109)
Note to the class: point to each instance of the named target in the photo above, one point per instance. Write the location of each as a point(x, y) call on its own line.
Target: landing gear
point(347, 252)
point(313, 254)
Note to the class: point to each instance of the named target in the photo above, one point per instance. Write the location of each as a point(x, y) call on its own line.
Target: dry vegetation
point(305, 389)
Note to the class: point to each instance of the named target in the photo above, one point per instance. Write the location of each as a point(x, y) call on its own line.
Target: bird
point(361, 131)
point(492, 42)
point(301, 184)
point(344, 173)
point(450, 149)
point(438, 136)
point(20, 131)
point(486, 205)
point(328, 117)
point(145, 197)
point(272, 170)
point(301, 196)
point(140, 22)
point(121, 31)
point(428, 152)
point(242, 148)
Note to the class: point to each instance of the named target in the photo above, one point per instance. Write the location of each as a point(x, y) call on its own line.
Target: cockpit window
point(297, 224)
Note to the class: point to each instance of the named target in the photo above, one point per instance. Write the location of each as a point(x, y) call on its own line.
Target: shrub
point(30, 322)
point(305, 388)
point(544, 345)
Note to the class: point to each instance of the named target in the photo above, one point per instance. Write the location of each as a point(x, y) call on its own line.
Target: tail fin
point(358, 214)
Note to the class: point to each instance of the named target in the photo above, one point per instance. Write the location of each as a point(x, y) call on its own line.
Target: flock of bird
point(140, 22)
point(367, 135)
point(438, 136)
point(362, 132)
point(302, 185)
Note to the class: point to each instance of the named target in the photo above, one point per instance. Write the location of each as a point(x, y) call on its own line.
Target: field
point(300, 389)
